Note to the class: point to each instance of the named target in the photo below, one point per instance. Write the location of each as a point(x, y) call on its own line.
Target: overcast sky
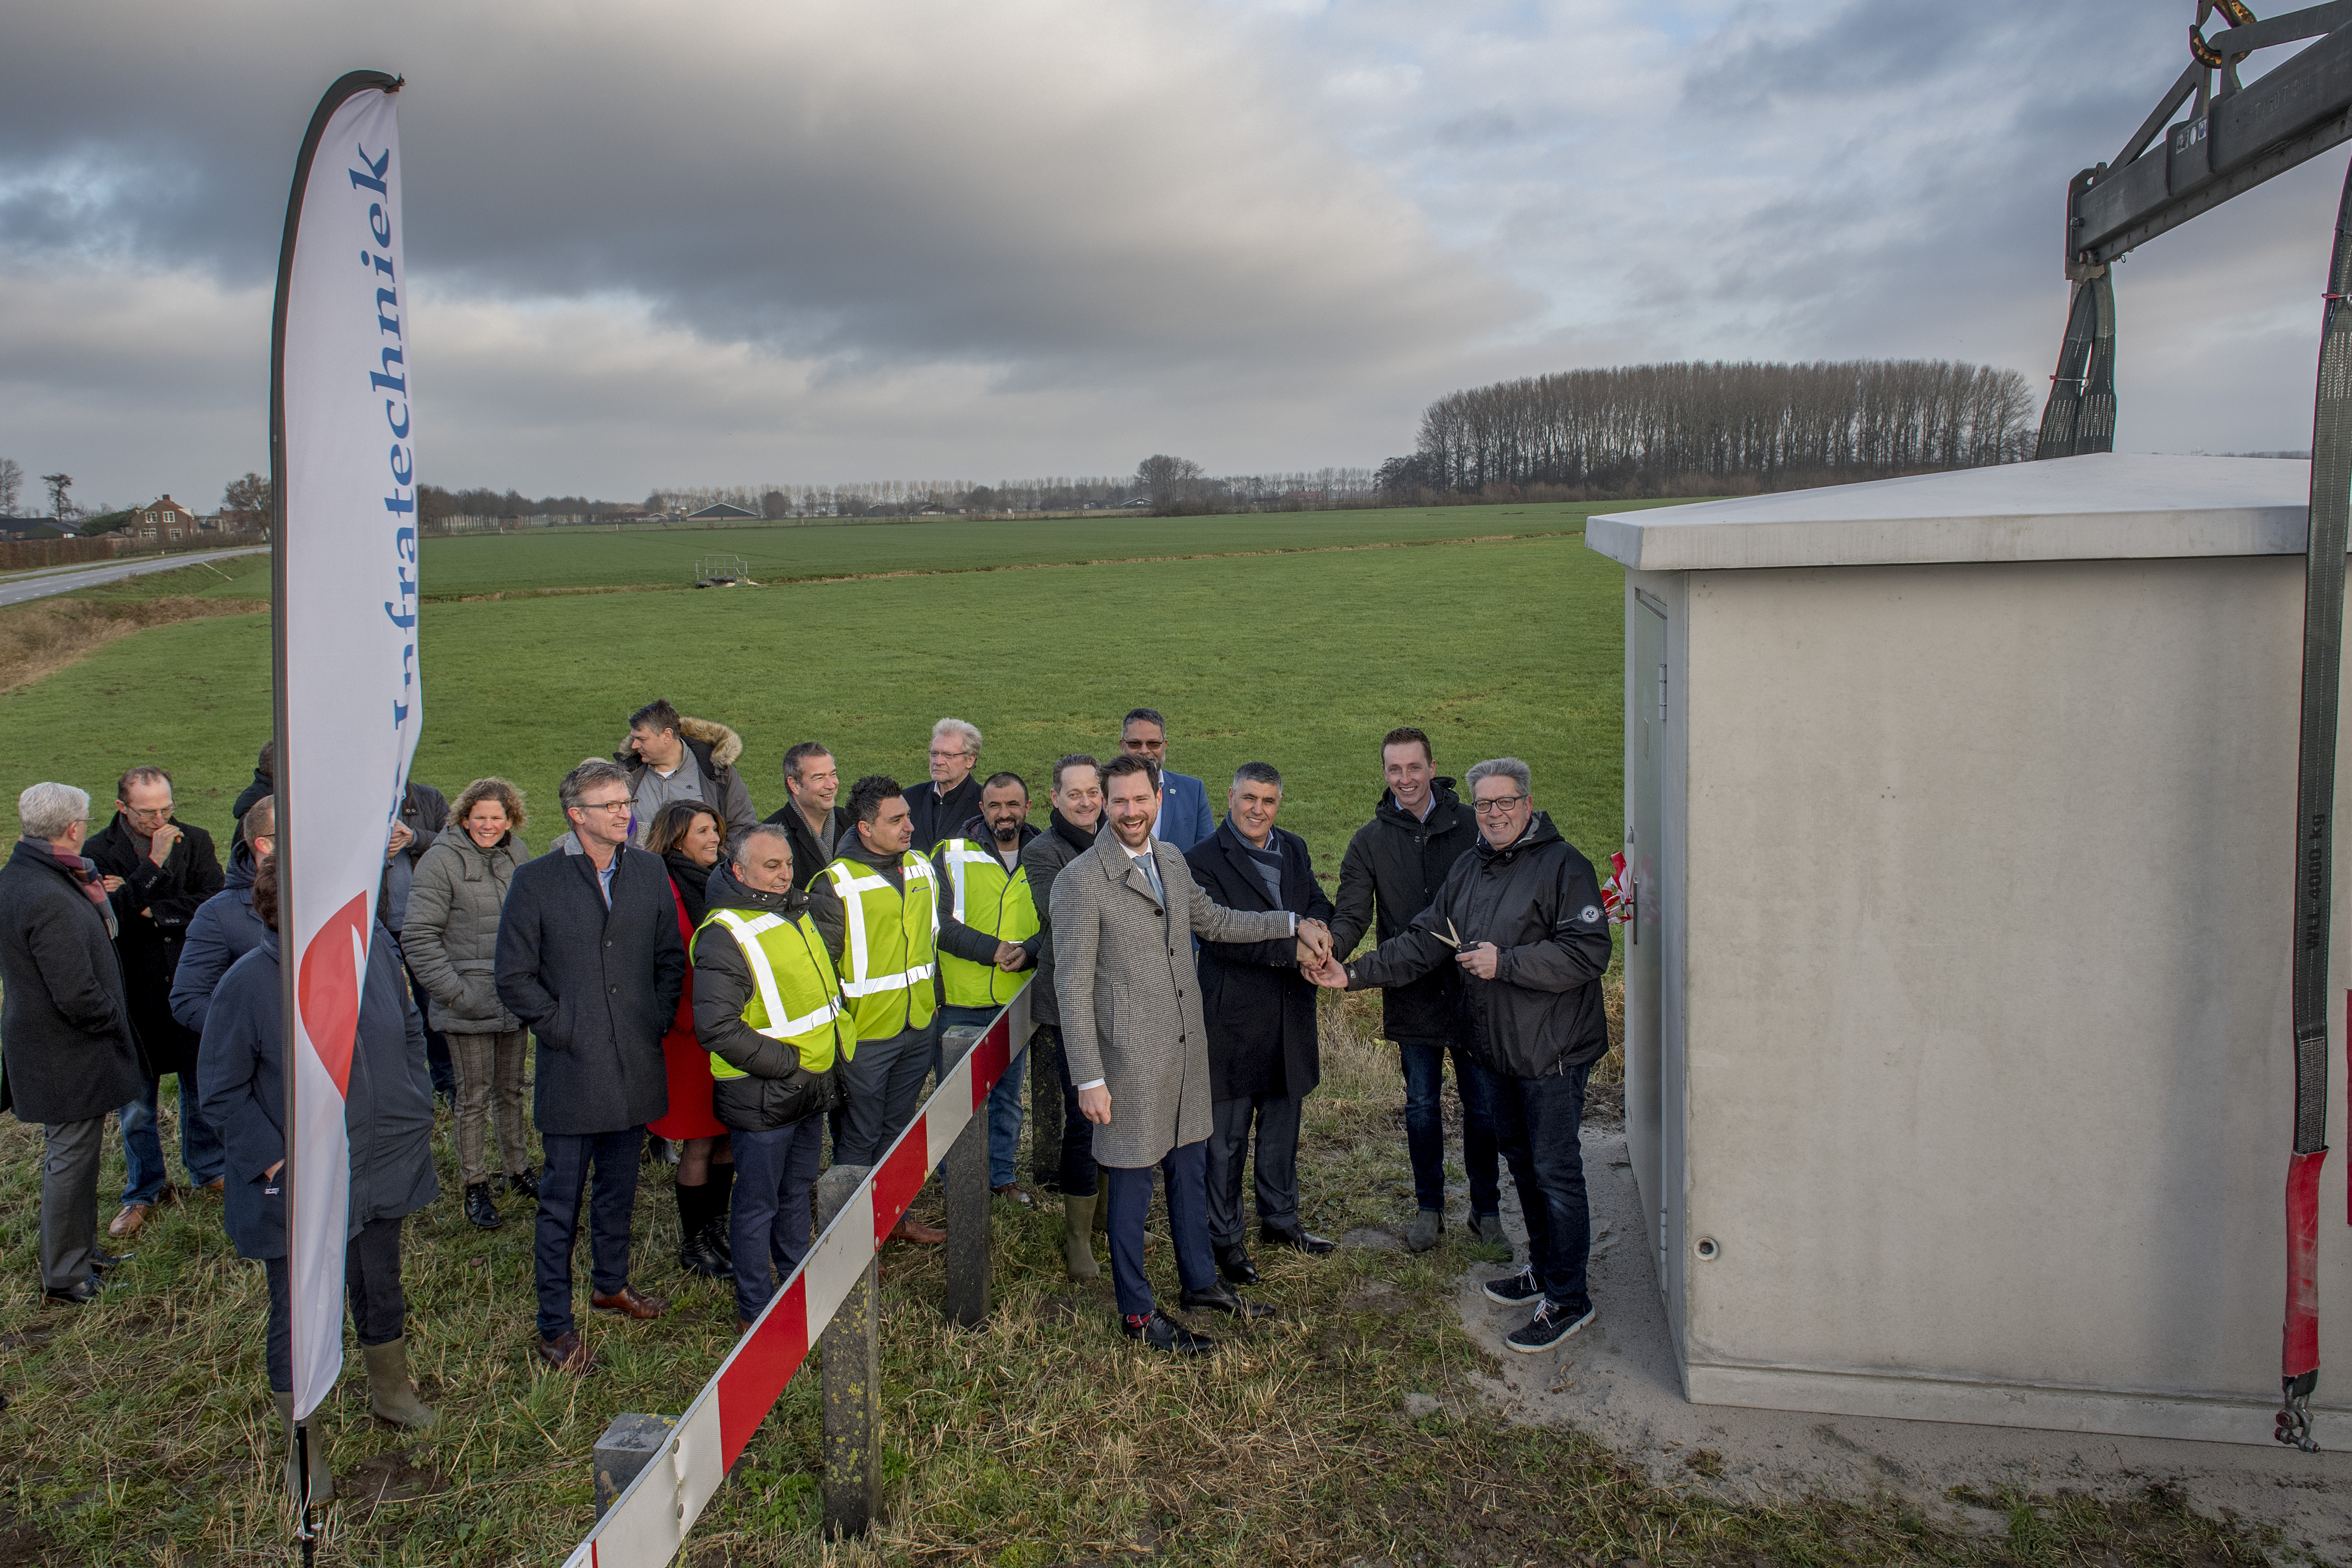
point(745, 241)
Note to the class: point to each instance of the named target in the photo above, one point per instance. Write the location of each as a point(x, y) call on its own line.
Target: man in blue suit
point(1185, 818)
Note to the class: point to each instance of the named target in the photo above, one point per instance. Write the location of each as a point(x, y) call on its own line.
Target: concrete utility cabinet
point(1958, 1075)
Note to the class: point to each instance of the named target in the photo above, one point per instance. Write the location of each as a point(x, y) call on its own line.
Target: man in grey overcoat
point(1124, 913)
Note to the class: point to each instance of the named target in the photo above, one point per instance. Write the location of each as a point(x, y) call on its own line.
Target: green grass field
point(574, 559)
point(141, 1427)
point(1300, 660)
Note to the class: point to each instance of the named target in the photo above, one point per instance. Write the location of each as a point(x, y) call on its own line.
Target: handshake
point(1315, 960)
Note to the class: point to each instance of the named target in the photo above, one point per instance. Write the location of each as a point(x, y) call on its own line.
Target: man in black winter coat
point(1521, 916)
point(1393, 868)
point(809, 819)
point(1076, 817)
point(952, 797)
point(589, 956)
point(1260, 1009)
point(158, 871)
point(67, 1054)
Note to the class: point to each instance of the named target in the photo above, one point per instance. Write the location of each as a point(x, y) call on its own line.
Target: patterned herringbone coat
point(1129, 997)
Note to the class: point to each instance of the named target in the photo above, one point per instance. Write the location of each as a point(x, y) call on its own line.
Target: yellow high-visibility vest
point(891, 952)
point(795, 997)
point(985, 897)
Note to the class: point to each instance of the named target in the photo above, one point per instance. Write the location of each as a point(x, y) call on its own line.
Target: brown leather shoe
point(909, 1228)
point(126, 1223)
point(567, 1352)
point(628, 1303)
point(215, 1188)
point(1010, 1193)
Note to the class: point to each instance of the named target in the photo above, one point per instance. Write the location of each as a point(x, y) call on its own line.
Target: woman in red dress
point(688, 837)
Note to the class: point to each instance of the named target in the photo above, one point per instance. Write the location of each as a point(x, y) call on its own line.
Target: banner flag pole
point(344, 649)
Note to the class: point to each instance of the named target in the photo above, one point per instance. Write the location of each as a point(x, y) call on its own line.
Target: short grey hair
point(49, 811)
point(741, 848)
point(966, 732)
point(1509, 768)
point(596, 771)
point(1257, 772)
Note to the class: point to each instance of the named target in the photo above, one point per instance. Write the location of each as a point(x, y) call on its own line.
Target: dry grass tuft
point(40, 638)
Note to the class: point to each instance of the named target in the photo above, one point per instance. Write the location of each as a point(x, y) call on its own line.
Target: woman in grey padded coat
point(451, 940)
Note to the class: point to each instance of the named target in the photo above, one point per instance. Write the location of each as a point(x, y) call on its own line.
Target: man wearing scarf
point(66, 1053)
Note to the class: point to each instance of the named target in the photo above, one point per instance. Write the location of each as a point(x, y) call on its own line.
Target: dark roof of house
point(720, 509)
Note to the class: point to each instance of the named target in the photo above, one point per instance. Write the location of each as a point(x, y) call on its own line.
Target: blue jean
point(1006, 1109)
point(1540, 1127)
point(1425, 1126)
point(200, 1149)
point(775, 1172)
point(562, 1186)
point(1186, 1169)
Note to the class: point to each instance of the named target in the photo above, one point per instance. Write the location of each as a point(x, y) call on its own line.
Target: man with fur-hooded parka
point(709, 747)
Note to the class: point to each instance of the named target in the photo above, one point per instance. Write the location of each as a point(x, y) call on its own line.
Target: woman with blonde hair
point(690, 836)
point(451, 940)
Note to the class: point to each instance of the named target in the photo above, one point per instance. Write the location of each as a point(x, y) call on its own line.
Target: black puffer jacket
point(780, 1091)
point(1539, 901)
point(1393, 868)
point(1043, 857)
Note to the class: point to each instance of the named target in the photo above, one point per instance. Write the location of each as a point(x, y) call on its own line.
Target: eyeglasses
point(1501, 802)
point(608, 805)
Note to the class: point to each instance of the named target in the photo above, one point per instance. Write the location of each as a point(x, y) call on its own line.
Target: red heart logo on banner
point(327, 988)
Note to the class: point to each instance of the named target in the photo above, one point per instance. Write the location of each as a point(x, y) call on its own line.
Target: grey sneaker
point(1488, 1228)
point(1422, 1233)
point(1551, 1324)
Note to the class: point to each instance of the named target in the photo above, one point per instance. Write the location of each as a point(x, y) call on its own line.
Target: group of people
point(730, 992)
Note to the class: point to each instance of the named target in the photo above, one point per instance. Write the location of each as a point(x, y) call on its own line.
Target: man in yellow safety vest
point(988, 947)
point(769, 1009)
point(877, 907)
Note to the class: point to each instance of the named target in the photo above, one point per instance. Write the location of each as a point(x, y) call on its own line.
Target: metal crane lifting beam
point(2238, 137)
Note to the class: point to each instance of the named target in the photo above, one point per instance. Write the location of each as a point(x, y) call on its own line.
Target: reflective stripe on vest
point(984, 896)
point(890, 925)
point(814, 1034)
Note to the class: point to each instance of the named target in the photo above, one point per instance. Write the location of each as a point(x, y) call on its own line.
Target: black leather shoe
point(1233, 1263)
point(714, 1237)
point(479, 1207)
point(1221, 1299)
point(525, 1182)
point(1162, 1332)
point(697, 1257)
point(1294, 1238)
point(100, 1261)
point(81, 1295)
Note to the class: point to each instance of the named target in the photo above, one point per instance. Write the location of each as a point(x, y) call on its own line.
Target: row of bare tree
point(1644, 427)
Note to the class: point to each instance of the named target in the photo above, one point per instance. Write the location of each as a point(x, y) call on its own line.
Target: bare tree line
point(1655, 429)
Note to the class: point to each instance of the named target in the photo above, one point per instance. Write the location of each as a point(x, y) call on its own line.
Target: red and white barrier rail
point(649, 1520)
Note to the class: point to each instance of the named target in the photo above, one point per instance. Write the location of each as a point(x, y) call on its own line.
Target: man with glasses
point(589, 956)
point(942, 807)
point(157, 872)
point(1520, 916)
point(1186, 818)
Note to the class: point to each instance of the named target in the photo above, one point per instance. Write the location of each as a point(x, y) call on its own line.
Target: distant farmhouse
point(166, 519)
point(720, 512)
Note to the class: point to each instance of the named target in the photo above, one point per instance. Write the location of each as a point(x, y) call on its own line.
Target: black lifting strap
point(2081, 414)
point(2329, 533)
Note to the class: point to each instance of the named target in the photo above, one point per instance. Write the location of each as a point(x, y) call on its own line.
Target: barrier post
point(1045, 1110)
point(853, 1381)
point(963, 1176)
point(627, 1445)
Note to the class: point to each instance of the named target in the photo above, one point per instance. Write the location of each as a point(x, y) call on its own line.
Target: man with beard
point(988, 944)
point(1124, 914)
point(1077, 797)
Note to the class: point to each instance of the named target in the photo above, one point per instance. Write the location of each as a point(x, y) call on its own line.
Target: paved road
point(16, 591)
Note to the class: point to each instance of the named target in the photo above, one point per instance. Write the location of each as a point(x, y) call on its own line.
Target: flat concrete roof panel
point(2107, 506)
